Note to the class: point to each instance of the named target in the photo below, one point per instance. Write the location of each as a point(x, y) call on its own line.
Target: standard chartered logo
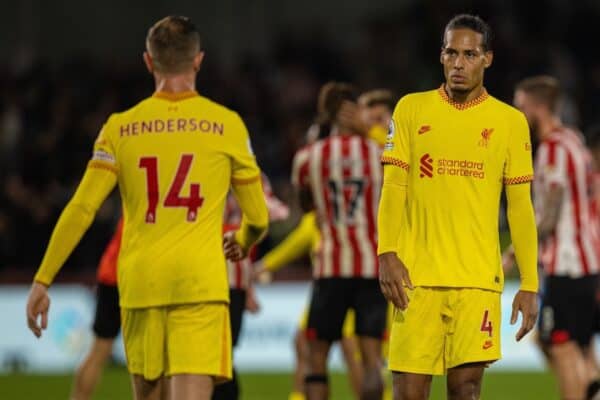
point(442, 166)
point(426, 166)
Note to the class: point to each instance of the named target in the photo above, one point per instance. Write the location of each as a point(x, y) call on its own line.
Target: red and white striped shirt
point(344, 176)
point(239, 273)
point(574, 248)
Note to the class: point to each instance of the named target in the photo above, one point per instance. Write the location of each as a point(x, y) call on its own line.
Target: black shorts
point(237, 305)
point(569, 310)
point(332, 297)
point(107, 321)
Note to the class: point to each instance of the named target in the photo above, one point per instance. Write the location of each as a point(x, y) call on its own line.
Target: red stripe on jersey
point(347, 142)
point(552, 162)
point(577, 210)
point(551, 153)
point(325, 157)
point(369, 206)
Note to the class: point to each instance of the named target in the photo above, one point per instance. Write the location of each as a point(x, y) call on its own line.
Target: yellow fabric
point(378, 134)
point(194, 148)
point(296, 396)
point(456, 331)
point(392, 203)
point(180, 339)
point(255, 216)
point(96, 184)
point(304, 238)
point(521, 219)
point(458, 159)
point(347, 327)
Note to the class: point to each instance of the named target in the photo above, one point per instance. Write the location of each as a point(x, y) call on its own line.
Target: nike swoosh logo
point(487, 345)
point(424, 129)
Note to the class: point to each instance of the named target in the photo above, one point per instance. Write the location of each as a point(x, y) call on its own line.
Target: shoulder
point(508, 112)
point(217, 108)
point(416, 98)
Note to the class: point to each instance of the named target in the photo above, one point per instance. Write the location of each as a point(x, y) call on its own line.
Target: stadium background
point(68, 64)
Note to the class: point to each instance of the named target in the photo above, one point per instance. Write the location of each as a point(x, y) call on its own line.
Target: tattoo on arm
point(551, 212)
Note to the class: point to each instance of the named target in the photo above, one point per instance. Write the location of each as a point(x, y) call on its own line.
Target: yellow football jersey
point(458, 157)
point(175, 157)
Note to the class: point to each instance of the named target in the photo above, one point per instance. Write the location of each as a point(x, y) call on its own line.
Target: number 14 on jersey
point(174, 199)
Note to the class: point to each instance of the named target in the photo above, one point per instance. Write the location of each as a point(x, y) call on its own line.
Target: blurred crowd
point(50, 114)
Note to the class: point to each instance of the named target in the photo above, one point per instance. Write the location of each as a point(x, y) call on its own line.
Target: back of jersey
point(175, 156)
point(344, 176)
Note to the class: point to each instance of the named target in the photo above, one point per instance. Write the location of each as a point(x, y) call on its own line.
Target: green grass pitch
point(270, 386)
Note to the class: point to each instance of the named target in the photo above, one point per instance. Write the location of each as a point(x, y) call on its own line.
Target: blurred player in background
point(340, 177)
point(107, 321)
point(568, 233)
point(306, 239)
point(174, 156)
point(241, 291)
point(449, 154)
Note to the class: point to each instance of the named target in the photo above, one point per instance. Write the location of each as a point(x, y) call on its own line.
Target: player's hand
point(252, 304)
point(232, 249)
point(260, 273)
point(393, 276)
point(526, 303)
point(38, 304)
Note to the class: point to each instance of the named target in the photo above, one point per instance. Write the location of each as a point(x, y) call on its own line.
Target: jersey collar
point(463, 106)
point(175, 96)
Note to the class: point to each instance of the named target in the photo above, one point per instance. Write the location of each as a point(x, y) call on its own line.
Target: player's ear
point(198, 60)
point(148, 62)
point(489, 57)
point(442, 55)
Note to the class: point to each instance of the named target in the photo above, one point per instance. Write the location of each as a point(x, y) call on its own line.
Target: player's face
point(378, 114)
point(464, 60)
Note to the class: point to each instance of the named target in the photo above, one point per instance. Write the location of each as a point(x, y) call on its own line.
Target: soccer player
point(241, 291)
point(568, 232)
point(377, 107)
point(107, 321)
point(174, 156)
point(306, 239)
point(340, 175)
point(449, 154)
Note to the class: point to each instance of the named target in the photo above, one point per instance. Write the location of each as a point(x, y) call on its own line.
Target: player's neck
point(548, 125)
point(464, 97)
point(179, 83)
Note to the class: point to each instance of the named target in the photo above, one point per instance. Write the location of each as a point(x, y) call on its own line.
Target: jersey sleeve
point(518, 165)
point(397, 146)
point(300, 168)
point(244, 167)
point(553, 163)
point(104, 154)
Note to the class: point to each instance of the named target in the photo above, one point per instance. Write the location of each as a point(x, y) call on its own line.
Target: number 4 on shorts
point(486, 324)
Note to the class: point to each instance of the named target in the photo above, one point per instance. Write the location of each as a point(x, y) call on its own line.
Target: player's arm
point(556, 178)
point(73, 223)
point(255, 216)
point(248, 191)
point(393, 274)
point(518, 174)
point(521, 220)
point(295, 245)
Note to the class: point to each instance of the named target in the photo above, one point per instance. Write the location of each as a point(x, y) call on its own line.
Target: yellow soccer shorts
point(443, 328)
point(178, 339)
point(347, 328)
